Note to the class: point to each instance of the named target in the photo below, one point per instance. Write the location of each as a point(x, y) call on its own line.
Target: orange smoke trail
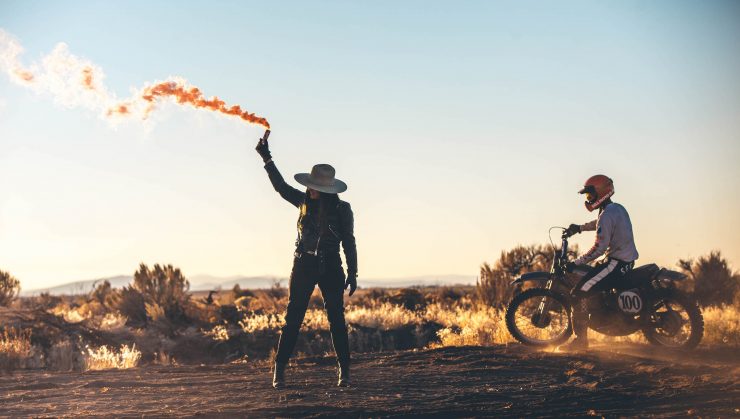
point(87, 78)
point(24, 75)
point(121, 109)
point(193, 96)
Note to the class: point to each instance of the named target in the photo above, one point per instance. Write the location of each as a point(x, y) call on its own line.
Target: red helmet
point(598, 188)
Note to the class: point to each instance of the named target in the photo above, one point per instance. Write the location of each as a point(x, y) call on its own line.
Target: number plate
point(630, 302)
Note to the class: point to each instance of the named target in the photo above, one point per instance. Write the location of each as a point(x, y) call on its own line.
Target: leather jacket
point(340, 223)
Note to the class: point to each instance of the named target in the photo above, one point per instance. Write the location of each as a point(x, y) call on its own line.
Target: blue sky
point(461, 131)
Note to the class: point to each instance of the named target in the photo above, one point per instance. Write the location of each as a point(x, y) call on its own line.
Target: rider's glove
point(264, 150)
point(351, 283)
point(570, 266)
point(573, 229)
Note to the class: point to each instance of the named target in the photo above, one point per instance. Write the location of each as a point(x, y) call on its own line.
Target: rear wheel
point(675, 321)
point(539, 317)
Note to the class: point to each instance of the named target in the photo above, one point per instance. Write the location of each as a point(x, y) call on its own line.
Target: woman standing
point(323, 223)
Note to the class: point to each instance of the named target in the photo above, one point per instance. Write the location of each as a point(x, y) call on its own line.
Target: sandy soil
point(470, 381)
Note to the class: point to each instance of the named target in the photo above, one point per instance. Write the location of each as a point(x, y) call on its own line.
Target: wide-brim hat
point(321, 179)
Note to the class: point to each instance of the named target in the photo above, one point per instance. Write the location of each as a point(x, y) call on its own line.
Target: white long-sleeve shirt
point(613, 236)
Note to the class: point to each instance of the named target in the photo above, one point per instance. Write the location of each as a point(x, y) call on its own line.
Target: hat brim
point(305, 179)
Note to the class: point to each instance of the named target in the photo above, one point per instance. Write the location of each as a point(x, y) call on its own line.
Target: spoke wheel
point(675, 322)
point(539, 317)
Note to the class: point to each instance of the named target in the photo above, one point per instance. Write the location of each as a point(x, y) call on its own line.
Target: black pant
point(603, 276)
point(309, 270)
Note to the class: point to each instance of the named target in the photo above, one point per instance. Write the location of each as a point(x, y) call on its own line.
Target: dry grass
point(219, 333)
point(473, 326)
point(15, 349)
point(722, 325)
point(461, 325)
point(104, 358)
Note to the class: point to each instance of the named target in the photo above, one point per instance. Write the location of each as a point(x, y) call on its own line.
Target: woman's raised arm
point(289, 193)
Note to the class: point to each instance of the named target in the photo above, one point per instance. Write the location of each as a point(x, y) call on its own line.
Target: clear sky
point(461, 130)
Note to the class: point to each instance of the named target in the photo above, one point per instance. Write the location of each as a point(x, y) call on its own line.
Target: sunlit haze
point(461, 132)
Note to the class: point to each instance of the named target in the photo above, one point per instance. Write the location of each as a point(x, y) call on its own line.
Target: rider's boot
point(580, 343)
point(580, 328)
point(278, 379)
point(343, 372)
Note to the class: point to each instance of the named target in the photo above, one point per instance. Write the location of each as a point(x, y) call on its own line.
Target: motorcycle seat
point(639, 276)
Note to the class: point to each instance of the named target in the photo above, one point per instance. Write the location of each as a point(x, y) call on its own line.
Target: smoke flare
point(76, 82)
point(193, 96)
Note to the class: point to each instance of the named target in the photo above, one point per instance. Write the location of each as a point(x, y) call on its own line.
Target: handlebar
point(563, 253)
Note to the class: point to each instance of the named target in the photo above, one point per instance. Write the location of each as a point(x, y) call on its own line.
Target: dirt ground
point(461, 382)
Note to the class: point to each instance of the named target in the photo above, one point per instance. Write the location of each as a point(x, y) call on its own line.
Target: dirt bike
point(646, 301)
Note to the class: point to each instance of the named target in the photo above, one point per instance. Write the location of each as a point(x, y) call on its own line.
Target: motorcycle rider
point(614, 239)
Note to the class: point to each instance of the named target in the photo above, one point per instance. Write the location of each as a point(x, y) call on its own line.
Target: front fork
point(540, 318)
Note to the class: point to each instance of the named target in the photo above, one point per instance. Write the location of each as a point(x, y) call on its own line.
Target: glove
point(570, 267)
point(351, 283)
point(573, 229)
point(263, 148)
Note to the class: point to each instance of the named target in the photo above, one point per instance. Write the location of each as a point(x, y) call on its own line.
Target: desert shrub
point(369, 298)
point(202, 314)
point(272, 300)
point(408, 298)
point(277, 290)
point(111, 322)
point(492, 286)
point(711, 279)
point(70, 314)
point(166, 287)
point(237, 292)
point(158, 319)
point(78, 309)
point(447, 296)
point(9, 288)
point(43, 301)
point(131, 304)
point(15, 347)
point(104, 294)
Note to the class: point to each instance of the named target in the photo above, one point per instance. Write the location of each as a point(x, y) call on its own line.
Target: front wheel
point(539, 317)
point(675, 321)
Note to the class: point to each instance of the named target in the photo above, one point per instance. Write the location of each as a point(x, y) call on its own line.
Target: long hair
point(327, 205)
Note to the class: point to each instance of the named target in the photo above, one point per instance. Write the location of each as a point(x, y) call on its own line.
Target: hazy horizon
point(461, 132)
point(202, 282)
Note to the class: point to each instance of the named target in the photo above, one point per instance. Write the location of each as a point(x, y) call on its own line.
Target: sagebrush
point(9, 288)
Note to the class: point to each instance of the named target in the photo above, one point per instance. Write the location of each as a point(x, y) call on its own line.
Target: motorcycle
point(646, 300)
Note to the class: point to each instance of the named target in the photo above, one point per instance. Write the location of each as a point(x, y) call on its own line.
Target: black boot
point(580, 343)
point(580, 327)
point(343, 372)
point(278, 379)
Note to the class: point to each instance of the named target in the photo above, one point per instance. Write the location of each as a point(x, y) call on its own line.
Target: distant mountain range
point(209, 282)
